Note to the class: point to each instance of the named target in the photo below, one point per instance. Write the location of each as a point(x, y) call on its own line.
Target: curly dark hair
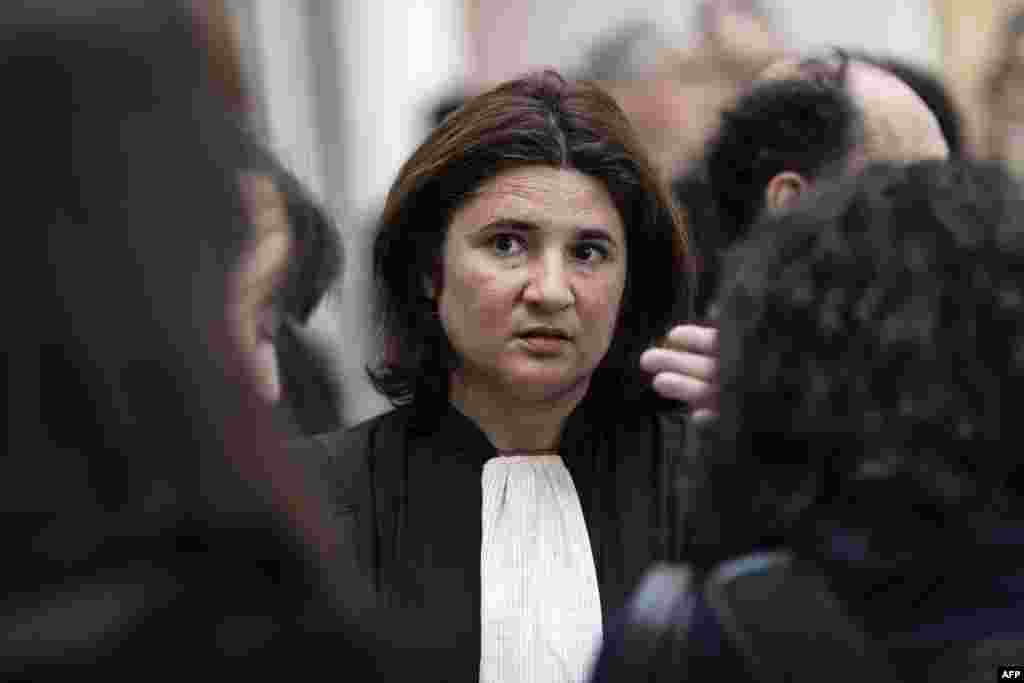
point(872, 356)
point(538, 119)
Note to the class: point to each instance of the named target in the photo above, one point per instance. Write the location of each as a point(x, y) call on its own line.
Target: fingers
point(696, 392)
point(694, 339)
point(698, 366)
point(687, 370)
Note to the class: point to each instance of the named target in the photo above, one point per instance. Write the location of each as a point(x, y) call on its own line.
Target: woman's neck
point(512, 423)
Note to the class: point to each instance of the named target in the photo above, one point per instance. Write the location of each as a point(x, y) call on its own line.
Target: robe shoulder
point(344, 457)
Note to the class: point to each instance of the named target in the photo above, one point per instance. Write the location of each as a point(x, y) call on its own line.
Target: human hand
point(685, 368)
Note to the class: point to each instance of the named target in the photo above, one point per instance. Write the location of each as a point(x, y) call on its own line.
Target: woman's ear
point(782, 189)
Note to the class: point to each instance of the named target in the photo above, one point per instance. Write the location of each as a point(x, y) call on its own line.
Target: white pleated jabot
point(540, 603)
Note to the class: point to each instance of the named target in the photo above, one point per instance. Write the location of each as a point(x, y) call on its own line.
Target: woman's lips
point(542, 344)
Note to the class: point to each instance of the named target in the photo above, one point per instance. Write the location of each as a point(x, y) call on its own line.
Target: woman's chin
point(547, 383)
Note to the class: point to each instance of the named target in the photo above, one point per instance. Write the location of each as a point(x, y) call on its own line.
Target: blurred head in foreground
point(870, 365)
point(151, 503)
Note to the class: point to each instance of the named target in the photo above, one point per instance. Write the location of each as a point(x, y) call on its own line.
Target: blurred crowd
point(703, 365)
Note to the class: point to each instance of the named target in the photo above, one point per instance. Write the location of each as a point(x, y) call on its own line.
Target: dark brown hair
point(538, 119)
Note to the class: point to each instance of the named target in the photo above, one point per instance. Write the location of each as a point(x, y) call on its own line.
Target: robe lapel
point(430, 526)
point(618, 463)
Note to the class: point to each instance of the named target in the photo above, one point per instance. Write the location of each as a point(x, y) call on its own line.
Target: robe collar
point(469, 443)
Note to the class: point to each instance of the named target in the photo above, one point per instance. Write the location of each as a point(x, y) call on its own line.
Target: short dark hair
point(807, 126)
point(537, 119)
point(871, 360)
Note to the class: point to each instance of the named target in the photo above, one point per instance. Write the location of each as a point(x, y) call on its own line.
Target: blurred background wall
point(344, 89)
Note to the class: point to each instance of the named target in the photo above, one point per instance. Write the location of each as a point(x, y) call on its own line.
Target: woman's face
point(254, 305)
point(531, 281)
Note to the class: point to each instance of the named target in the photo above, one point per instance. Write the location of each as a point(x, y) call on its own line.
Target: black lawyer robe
point(405, 495)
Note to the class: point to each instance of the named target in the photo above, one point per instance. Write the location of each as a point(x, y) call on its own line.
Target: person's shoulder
point(358, 437)
point(342, 452)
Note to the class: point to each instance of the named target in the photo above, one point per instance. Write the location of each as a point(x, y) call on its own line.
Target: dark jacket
point(962, 623)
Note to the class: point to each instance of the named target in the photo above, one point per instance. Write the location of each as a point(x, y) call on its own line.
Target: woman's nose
point(549, 285)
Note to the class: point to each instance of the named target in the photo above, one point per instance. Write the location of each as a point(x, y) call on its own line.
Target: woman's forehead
point(542, 194)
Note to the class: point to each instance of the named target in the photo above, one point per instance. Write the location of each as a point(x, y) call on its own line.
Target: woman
point(528, 253)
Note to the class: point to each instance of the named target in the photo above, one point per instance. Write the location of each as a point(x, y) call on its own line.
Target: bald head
point(898, 125)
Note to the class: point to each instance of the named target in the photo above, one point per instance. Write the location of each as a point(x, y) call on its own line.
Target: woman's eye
point(591, 253)
point(508, 245)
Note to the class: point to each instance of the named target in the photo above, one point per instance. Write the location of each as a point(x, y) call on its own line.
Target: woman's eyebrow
point(510, 224)
point(585, 232)
point(592, 232)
